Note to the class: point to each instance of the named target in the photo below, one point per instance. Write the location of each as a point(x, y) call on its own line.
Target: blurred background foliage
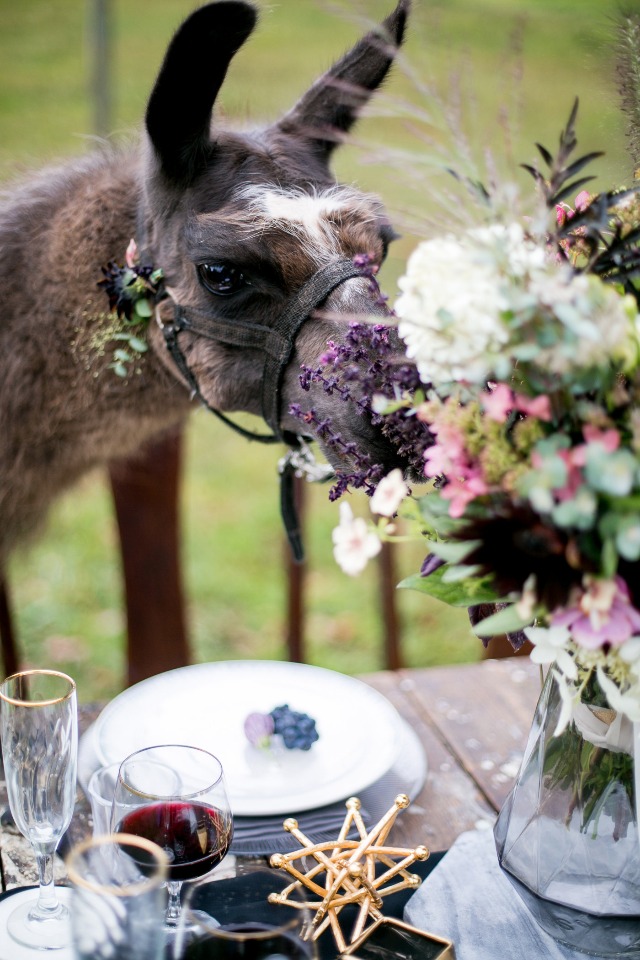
point(479, 82)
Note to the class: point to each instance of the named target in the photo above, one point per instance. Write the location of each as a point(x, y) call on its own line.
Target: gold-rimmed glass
point(118, 906)
point(39, 730)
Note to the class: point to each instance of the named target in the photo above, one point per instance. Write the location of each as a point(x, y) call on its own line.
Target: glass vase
point(567, 835)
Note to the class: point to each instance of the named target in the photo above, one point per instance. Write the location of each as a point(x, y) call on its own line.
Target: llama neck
point(63, 409)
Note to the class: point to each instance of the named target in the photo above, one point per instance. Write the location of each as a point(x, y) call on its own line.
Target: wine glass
point(189, 819)
point(39, 729)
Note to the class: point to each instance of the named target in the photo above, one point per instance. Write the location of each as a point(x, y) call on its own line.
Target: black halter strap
point(277, 343)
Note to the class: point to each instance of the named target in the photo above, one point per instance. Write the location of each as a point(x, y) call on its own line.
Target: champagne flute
point(190, 820)
point(39, 729)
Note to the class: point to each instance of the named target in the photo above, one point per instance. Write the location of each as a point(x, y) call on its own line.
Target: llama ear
point(330, 108)
point(195, 65)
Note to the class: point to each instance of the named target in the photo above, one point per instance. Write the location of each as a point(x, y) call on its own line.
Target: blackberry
point(298, 730)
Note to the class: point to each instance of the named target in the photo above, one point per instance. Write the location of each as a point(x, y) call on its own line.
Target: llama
point(241, 224)
point(238, 222)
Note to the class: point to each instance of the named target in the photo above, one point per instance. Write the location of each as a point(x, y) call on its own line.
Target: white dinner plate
point(205, 705)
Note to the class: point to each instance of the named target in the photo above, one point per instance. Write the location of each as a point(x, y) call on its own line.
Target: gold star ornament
point(349, 872)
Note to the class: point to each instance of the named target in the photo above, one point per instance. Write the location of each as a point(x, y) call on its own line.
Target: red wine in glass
point(195, 836)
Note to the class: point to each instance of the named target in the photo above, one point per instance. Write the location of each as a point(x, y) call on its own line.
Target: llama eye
point(222, 279)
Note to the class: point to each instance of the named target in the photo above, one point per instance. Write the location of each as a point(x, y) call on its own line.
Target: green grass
point(516, 66)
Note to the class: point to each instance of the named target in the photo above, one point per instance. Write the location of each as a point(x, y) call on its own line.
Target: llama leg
point(7, 634)
point(145, 492)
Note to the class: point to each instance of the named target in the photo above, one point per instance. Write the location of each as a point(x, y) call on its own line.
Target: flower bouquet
point(518, 399)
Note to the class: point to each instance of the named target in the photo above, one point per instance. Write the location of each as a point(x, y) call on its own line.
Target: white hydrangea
point(471, 307)
point(454, 293)
point(594, 322)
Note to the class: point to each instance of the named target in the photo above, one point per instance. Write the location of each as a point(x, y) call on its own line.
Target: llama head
point(240, 222)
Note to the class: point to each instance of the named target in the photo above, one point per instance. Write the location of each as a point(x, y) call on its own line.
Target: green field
point(505, 72)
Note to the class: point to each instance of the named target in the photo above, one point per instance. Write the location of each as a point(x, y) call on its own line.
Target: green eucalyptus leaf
point(609, 523)
point(609, 557)
point(460, 571)
point(628, 538)
point(119, 369)
point(507, 620)
point(579, 511)
point(143, 308)
point(463, 593)
point(435, 511)
point(122, 356)
point(453, 552)
point(611, 473)
point(138, 345)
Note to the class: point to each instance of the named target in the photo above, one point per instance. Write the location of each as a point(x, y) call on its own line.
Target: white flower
point(353, 542)
point(627, 703)
point(453, 296)
point(550, 646)
point(389, 494)
point(629, 653)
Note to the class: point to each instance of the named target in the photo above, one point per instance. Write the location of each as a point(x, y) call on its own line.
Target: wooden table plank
point(483, 712)
point(450, 801)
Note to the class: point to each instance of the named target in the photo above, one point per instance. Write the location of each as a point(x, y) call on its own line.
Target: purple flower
point(601, 615)
point(258, 728)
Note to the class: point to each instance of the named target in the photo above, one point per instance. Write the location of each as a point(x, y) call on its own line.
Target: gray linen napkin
point(468, 900)
point(253, 836)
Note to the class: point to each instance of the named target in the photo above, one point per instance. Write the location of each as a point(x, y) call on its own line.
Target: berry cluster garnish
point(296, 730)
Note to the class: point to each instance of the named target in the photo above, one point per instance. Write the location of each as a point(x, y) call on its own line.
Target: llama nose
point(359, 296)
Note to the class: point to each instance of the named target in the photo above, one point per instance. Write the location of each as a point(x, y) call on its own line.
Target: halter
point(277, 344)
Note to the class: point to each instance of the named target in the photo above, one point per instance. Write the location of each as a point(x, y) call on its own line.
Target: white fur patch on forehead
point(308, 215)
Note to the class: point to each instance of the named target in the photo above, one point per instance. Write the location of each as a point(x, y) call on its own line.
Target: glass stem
point(48, 902)
point(173, 906)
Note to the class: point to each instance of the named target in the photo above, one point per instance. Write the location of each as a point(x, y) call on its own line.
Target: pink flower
point(602, 614)
point(610, 439)
point(539, 407)
point(437, 461)
point(461, 491)
point(583, 200)
point(448, 455)
point(498, 402)
point(564, 211)
point(131, 256)
point(574, 476)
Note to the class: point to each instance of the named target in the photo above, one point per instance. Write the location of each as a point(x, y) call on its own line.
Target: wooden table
point(473, 721)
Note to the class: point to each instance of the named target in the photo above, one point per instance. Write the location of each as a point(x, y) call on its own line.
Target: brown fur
point(62, 410)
